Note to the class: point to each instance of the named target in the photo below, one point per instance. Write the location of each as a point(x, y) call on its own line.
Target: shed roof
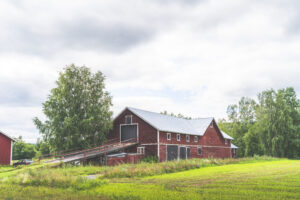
point(233, 146)
point(173, 124)
point(1, 132)
point(226, 136)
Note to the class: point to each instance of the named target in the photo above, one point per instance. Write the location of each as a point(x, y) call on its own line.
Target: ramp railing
point(108, 146)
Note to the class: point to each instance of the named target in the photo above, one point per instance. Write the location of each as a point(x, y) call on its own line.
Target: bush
point(150, 159)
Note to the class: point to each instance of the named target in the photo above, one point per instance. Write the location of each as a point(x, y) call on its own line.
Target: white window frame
point(195, 138)
point(130, 116)
point(178, 138)
point(187, 138)
point(226, 141)
point(198, 151)
point(141, 150)
point(169, 136)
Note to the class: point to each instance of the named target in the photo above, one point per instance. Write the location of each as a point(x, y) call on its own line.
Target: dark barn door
point(188, 152)
point(128, 132)
point(172, 152)
point(182, 152)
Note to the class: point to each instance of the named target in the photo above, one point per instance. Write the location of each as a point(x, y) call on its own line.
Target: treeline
point(269, 126)
point(23, 150)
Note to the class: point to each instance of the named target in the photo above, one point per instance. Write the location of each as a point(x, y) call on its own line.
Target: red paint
point(212, 142)
point(5, 150)
point(129, 158)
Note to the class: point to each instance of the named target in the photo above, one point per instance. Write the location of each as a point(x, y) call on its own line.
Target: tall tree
point(77, 111)
point(277, 118)
point(241, 117)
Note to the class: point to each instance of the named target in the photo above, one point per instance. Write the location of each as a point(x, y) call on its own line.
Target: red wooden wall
point(5, 150)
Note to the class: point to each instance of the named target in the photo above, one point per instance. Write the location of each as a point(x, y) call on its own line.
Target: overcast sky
point(187, 56)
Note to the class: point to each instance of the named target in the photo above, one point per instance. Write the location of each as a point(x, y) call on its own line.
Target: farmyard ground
point(244, 179)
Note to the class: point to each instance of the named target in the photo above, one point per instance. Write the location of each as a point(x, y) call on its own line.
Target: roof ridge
point(167, 115)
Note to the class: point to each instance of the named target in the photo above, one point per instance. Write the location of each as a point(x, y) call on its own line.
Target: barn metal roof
point(233, 146)
point(226, 136)
point(6, 136)
point(173, 124)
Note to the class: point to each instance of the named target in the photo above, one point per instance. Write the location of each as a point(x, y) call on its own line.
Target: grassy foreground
point(259, 178)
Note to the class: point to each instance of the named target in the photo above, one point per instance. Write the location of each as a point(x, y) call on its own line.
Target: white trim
point(137, 130)
point(150, 144)
point(11, 151)
point(177, 137)
point(158, 145)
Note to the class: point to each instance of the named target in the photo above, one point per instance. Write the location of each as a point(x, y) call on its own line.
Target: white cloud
point(192, 57)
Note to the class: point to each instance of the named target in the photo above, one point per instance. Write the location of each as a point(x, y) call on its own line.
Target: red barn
point(169, 137)
point(6, 145)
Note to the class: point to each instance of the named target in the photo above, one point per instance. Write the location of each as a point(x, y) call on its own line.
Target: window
point(199, 151)
point(195, 138)
point(187, 137)
point(211, 125)
point(141, 150)
point(168, 136)
point(128, 119)
point(226, 141)
point(178, 137)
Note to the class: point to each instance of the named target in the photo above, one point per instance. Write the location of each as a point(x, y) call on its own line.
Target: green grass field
point(262, 178)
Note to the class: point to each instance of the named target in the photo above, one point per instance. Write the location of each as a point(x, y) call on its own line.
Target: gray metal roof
point(173, 124)
point(6, 136)
point(226, 136)
point(233, 146)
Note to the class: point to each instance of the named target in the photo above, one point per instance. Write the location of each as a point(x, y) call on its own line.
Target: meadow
point(248, 178)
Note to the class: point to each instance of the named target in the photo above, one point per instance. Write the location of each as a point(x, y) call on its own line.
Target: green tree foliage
point(270, 127)
point(277, 119)
point(22, 150)
point(77, 111)
point(42, 147)
point(241, 117)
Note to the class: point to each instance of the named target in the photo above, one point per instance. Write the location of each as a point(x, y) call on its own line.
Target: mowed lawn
point(278, 179)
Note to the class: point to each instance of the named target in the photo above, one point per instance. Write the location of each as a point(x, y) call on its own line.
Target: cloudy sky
point(187, 56)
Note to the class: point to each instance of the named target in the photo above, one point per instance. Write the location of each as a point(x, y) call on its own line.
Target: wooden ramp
point(83, 155)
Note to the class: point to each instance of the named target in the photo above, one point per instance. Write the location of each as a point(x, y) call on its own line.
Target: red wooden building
point(6, 145)
point(169, 137)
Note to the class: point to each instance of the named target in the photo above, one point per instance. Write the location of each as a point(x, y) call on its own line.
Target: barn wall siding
point(5, 150)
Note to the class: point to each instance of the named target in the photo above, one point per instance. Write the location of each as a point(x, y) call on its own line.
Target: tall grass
point(55, 178)
point(150, 169)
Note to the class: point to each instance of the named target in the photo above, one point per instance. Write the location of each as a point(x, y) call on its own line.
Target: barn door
point(128, 132)
point(188, 152)
point(182, 152)
point(172, 152)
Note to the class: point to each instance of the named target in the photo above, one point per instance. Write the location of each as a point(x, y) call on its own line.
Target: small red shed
point(6, 147)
